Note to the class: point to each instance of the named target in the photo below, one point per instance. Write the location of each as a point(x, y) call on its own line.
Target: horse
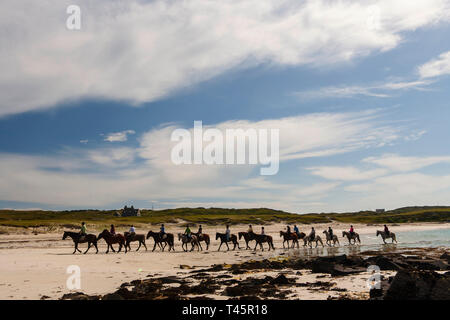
point(223, 239)
point(136, 237)
point(289, 236)
point(261, 238)
point(350, 237)
point(330, 239)
point(203, 237)
point(316, 239)
point(77, 238)
point(248, 236)
point(193, 240)
point(387, 236)
point(110, 239)
point(168, 240)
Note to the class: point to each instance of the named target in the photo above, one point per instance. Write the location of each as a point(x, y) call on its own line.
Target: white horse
point(330, 239)
point(385, 236)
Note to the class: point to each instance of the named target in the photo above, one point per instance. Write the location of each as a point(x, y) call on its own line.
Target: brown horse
point(351, 237)
point(261, 238)
point(203, 237)
point(159, 240)
point(193, 240)
point(289, 236)
point(248, 236)
point(111, 239)
point(223, 239)
point(78, 238)
point(136, 237)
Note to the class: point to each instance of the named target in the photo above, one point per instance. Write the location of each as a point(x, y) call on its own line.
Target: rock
point(446, 257)
point(384, 263)
point(280, 280)
point(112, 296)
point(419, 285)
point(185, 266)
point(78, 296)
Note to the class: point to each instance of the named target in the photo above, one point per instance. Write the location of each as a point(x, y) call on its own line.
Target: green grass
point(216, 216)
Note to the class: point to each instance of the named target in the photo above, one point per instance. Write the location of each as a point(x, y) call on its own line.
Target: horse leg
point(112, 248)
point(138, 246)
point(76, 247)
point(220, 245)
point(107, 247)
point(89, 246)
point(228, 247)
point(199, 243)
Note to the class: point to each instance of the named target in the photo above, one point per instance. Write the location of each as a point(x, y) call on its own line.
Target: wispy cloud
point(384, 90)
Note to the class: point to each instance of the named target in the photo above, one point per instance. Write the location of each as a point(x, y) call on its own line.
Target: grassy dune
point(216, 216)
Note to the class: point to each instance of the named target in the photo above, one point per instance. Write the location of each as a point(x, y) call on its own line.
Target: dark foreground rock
point(415, 285)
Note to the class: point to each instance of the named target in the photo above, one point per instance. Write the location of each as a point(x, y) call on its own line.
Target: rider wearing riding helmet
point(83, 230)
point(288, 229)
point(250, 229)
point(330, 231)
point(352, 230)
point(200, 230)
point(187, 232)
point(162, 231)
point(112, 230)
point(386, 230)
point(296, 230)
point(312, 235)
point(262, 231)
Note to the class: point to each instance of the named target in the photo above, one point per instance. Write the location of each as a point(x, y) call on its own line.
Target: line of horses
point(162, 241)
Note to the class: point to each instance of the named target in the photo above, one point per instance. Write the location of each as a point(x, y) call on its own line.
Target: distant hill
point(218, 216)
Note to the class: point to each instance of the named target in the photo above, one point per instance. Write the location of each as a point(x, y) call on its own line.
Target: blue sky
point(86, 115)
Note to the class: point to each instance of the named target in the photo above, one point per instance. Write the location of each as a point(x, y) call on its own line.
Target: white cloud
point(346, 173)
point(399, 163)
point(380, 90)
point(141, 51)
point(119, 136)
point(102, 177)
point(436, 67)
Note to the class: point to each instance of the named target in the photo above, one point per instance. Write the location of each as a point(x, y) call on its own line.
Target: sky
point(358, 91)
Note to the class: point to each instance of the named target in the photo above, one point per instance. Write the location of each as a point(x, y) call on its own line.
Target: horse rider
point(250, 229)
point(262, 231)
point(200, 230)
point(132, 231)
point(288, 229)
point(312, 235)
point(187, 232)
point(386, 230)
point(296, 230)
point(352, 231)
point(83, 231)
point(330, 231)
point(162, 232)
point(228, 232)
point(112, 230)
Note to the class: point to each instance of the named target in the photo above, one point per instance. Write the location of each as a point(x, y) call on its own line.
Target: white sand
point(35, 265)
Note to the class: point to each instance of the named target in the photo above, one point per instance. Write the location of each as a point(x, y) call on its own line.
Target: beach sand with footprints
point(33, 266)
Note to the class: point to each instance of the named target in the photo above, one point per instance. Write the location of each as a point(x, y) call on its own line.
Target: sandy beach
point(34, 266)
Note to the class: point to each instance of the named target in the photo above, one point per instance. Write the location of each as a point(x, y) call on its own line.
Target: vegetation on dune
point(217, 216)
